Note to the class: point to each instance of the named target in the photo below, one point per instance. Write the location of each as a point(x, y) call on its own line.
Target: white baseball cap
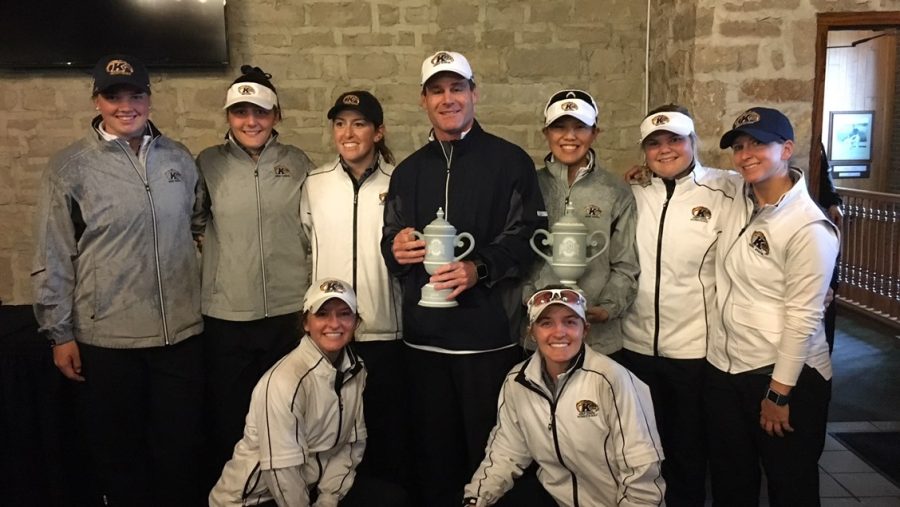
point(446, 61)
point(670, 121)
point(328, 288)
point(253, 93)
point(543, 298)
point(575, 103)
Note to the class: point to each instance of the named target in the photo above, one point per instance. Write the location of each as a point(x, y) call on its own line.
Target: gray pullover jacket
point(114, 263)
point(255, 260)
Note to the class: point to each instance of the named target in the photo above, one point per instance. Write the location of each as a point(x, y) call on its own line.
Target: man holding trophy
point(463, 182)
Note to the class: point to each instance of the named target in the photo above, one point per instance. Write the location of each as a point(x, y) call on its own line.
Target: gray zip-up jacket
point(602, 202)
point(255, 260)
point(114, 263)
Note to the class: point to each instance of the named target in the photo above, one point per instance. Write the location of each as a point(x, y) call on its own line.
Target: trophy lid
point(569, 223)
point(439, 226)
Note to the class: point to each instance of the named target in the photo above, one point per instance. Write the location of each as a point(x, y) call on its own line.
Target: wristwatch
point(777, 398)
point(481, 269)
point(470, 500)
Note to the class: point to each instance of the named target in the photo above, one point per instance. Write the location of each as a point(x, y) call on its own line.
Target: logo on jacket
point(587, 408)
point(282, 171)
point(246, 90)
point(332, 286)
point(382, 197)
point(592, 211)
point(569, 106)
point(701, 214)
point(759, 242)
point(660, 120)
point(173, 176)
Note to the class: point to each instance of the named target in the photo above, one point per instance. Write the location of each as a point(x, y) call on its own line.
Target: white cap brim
point(446, 61)
point(576, 108)
point(668, 121)
point(253, 93)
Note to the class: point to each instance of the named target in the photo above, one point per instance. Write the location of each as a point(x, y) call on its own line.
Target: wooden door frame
point(826, 21)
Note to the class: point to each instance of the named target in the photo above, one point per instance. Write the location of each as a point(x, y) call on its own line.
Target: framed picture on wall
point(850, 136)
point(849, 171)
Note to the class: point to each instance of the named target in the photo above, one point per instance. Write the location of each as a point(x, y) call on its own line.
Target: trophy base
point(433, 298)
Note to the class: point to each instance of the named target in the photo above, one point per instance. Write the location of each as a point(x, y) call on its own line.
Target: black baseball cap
point(763, 124)
point(115, 70)
point(362, 101)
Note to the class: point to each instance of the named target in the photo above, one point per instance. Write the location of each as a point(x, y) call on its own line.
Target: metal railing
point(869, 266)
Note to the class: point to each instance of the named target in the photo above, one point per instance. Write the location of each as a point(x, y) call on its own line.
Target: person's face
point(668, 154)
point(450, 103)
point(124, 109)
point(758, 161)
point(250, 124)
point(355, 137)
point(569, 140)
point(332, 327)
point(559, 332)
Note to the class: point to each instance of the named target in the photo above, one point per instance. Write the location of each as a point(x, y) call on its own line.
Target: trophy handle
point(591, 242)
point(461, 236)
point(548, 240)
point(418, 235)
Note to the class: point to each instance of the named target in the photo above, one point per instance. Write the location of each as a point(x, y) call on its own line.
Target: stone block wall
point(521, 51)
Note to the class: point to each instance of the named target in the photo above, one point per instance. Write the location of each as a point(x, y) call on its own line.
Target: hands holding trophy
point(441, 240)
point(570, 242)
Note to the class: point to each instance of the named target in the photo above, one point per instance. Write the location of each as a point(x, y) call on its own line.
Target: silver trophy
point(441, 241)
point(570, 242)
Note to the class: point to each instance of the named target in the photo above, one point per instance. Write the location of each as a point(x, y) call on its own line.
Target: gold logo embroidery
point(759, 242)
point(246, 90)
point(587, 408)
point(332, 286)
point(660, 120)
point(746, 118)
point(569, 106)
point(119, 68)
point(351, 100)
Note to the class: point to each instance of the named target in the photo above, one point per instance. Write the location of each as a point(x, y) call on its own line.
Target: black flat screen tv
point(77, 33)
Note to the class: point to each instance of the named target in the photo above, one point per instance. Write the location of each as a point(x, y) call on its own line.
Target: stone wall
point(522, 51)
point(720, 57)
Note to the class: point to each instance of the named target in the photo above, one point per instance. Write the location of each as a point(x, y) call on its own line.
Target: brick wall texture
point(716, 57)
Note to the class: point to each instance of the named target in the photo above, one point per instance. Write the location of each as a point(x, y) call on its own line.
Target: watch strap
point(778, 398)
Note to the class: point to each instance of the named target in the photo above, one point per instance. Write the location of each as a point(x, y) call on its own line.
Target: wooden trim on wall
point(826, 21)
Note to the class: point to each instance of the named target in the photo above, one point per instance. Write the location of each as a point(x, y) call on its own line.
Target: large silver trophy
point(570, 242)
point(441, 241)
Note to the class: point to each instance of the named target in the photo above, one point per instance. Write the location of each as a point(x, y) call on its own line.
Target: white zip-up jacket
point(343, 222)
point(594, 438)
point(304, 413)
point(674, 314)
point(114, 263)
point(255, 261)
point(773, 269)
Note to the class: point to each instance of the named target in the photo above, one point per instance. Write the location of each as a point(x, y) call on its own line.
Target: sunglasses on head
point(545, 296)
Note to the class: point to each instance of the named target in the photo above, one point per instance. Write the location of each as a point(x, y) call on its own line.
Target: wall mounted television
point(77, 33)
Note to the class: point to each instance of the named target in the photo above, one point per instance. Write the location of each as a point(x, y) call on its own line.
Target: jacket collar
point(349, 365)
point(560, 171)
point(798, 188)
point(531, 375)
point(236, 148)
point(467, 139)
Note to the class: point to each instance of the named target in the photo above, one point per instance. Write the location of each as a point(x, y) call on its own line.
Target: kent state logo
point(332, 286)
point(441, 58)
point(587, 408)
point(759, 242)
point(119, 68)
point(351, 100)
point(569, 106)
point(660, 120)
point(246, 90)
point(173, 176)
point(381, 198)
point(282, 171)
point(592, 211)
point(701, 214)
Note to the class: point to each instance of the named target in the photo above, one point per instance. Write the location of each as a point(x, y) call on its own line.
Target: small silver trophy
point(570, 242)
point(441, 241)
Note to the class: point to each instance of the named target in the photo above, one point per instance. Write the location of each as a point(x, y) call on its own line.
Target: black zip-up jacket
point(493, 195)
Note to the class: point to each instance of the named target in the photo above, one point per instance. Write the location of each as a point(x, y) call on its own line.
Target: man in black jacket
point(457, 357)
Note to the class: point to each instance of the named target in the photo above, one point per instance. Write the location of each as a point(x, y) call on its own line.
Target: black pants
point(388, 455)
point(453, 407)
point(140, 411)
point(367, 491)
point(737, 443)
point(676, 386)
point(237, 354)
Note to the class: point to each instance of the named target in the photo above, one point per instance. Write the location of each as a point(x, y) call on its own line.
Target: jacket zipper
point(262, 250)
point(731, 285)
point(670, 190)
point(159, 283)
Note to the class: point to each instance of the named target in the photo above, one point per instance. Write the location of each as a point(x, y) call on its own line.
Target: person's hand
point(829, 297)
point(836, 215)
point(459, 276)
point(634, 173)
point(596, 314)
point(407, 249)
point(773, 419)
point(67, 358)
